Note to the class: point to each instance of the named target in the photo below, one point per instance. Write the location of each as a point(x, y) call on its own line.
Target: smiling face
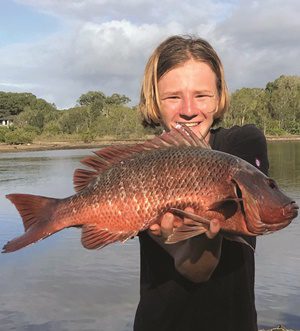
point(188, 95)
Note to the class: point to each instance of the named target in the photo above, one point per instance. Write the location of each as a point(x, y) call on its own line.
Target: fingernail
point(169, 216)
point(215, 222)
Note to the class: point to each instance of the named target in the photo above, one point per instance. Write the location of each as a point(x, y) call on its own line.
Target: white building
point(5, 122)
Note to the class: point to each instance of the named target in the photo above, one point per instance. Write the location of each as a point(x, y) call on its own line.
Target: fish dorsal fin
point(105, 158)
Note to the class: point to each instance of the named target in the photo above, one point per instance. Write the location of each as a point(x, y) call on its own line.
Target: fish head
point(265, 206)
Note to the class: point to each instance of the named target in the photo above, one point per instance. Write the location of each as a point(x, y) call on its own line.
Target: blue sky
point(58, 50)
point(22, 23)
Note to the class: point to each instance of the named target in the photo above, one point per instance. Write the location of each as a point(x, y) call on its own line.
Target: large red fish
point(129, 187)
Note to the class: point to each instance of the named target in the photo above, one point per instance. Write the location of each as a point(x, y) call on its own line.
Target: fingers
point(214, 229)
point(155, 229)
point(167, 225)
point(187, 220)
point(165, 228)
point(169, 222)
point(214, 226)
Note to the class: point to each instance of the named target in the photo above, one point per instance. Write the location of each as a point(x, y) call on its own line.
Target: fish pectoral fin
point(195, 226)
point(95, 237)
point(238, 239)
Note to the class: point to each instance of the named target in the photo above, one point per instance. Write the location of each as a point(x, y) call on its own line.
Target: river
point(58, 285)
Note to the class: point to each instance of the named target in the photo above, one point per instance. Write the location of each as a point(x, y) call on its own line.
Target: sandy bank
point(54, 145)
point(44, 146)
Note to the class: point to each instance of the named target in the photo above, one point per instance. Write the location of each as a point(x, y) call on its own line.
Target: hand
point(169, 222)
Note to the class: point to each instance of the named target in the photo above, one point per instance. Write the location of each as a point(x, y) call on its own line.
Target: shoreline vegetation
point(29, 123)
point(64, 145)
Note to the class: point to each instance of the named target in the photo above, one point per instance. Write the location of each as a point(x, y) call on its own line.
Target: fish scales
point(148, 185)
point(131, 187)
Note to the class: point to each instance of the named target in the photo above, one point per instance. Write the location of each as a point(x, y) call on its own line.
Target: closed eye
point(204, 96)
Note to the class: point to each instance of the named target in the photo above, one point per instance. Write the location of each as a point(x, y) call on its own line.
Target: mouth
point(189, 124)
point(290, 211)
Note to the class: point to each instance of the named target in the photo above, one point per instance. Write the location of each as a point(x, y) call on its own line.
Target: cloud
point(109, 57)
point(104, 45)
point(137, 11)
point(259, 42)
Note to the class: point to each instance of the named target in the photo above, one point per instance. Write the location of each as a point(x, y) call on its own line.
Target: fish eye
point(272, 184)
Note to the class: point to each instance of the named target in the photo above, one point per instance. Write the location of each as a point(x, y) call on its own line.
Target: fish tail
point(36, 212)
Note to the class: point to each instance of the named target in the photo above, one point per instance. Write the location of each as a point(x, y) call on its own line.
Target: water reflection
point(58, 285)
point(278, 255)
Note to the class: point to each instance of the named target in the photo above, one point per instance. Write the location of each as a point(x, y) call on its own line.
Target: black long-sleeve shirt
point(169, 302)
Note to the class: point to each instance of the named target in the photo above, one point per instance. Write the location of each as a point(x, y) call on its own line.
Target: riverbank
point(56, 145)
point(60, 145)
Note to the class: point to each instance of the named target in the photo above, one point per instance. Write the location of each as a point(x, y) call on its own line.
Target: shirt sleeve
point(249, 143)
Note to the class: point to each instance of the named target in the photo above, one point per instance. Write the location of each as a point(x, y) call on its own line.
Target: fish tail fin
point(36, 212)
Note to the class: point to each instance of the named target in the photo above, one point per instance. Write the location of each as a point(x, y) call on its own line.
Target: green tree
point(14, 103)
point(248, 105)
point(75, 120)
point(284, 102)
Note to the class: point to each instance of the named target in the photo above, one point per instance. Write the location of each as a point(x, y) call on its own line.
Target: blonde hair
point(171, 53)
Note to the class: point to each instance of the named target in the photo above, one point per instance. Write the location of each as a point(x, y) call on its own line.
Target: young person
point(204, 283)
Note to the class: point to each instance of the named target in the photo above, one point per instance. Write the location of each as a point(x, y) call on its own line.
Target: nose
point(188, 111)
point(187, 117)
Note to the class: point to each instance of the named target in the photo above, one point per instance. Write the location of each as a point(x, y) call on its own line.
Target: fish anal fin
point(95, 237)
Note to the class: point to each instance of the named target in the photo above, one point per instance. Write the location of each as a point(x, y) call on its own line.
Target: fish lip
point(265, 228)
point(277, 226)
point(290, 210)
point(288, 218)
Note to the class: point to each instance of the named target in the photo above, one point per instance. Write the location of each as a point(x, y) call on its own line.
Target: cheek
point(169, 111)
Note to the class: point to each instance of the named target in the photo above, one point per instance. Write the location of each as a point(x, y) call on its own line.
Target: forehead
point(191, 73)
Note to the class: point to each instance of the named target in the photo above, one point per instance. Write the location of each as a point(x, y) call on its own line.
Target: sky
point(59, 50)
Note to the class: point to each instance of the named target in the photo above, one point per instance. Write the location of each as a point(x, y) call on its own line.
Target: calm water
point(58, 285)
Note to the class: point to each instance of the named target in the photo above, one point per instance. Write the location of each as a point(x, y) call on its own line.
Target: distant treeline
point(275, 109)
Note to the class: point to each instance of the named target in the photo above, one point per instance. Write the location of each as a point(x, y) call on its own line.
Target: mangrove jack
point(129, 187)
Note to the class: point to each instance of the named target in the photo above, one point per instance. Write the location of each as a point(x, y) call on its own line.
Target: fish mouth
point(269, 228)
point(289, 212)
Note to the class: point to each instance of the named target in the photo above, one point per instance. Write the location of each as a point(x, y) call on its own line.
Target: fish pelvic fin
point(197, 225)
point(36, 211)
point(108, 156)
point(94, 237)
